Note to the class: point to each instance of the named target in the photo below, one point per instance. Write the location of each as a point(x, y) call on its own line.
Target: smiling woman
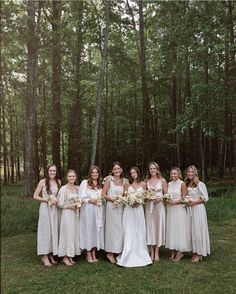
point(91, 214)
point(46, 191)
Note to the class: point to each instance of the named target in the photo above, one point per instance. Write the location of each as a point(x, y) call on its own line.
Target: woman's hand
point(192, 203)
point(71, 207)
point(157, 200)
point(92, 201)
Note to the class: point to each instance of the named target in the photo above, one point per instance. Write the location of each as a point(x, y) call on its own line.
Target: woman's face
point(94, 174)
point(52, 171)
point(117, 170)
point(174, 175)
point(71, 177)
point(153, 170)
point(190, 174)
point(133, 174)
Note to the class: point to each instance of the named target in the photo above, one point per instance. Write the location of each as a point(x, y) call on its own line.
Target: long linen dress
point(47, 235)
point(199, 226)
point(69, 227)
point(113, 223)
point(178, 235)
point(135, 251)
point(155, 218)
point(91, 219)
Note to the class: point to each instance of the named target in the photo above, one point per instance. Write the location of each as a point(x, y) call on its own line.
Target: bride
point(135, 251)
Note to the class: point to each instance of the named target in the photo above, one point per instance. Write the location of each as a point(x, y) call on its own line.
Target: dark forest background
point(87, 82)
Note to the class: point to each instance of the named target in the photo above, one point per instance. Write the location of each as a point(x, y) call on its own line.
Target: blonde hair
point(72, 171)
point(156, 166)
point(195, 179)
point(178, 170)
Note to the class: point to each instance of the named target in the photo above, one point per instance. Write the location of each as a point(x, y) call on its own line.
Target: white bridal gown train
point(135, 251)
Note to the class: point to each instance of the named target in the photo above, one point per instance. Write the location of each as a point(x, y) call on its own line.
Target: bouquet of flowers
point(100, 199)
point(150, 195)
point(166, 197)
point(76, 202)
point(185, 200)
point(52, 200)
point(133, 199)
point(117, 200)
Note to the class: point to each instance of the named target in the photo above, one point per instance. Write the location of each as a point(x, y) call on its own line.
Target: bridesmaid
point(135, 252)
point(155, 211)
point(114, 186)
point(47, 235)
point(178, 237)
point(91, 215)
point(199, 228)
point(69, 228)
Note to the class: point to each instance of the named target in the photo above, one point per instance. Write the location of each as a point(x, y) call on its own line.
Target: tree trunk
point(75, 113)
point(30, 130)
point(146, 132)
point(56, 84)
point(44, 131)
point(101, 82)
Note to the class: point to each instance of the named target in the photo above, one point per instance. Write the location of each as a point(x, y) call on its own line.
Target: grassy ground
point(21, 271)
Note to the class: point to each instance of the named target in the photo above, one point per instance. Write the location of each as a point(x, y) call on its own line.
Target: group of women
point(130, 235)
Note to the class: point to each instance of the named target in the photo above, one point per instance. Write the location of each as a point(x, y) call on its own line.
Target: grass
point(22, 272)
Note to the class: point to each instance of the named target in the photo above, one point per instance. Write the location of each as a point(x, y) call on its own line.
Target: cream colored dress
point(178, 235)
point(199, 226)
point(91, 219)
point(69, 244)
point(155, 218)
point(47, 235)
point(113, 223)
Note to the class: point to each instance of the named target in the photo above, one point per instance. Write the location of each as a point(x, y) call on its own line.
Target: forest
point(91, 82)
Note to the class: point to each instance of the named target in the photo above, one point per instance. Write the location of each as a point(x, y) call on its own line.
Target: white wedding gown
point(135, 251)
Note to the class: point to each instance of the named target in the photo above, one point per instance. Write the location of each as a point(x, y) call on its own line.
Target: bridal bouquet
point(135, 198)
point(117, 200)
point(166, 197)
point(52, 200)
point(76, 202)
point(150, 195)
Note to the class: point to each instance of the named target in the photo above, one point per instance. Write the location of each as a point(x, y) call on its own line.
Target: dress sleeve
point(203, 190)
point(83, 191)
point(62, 201)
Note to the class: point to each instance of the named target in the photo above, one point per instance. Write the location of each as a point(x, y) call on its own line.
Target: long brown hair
point(47, 180)
point(156, 166)
point(195, 179)
point(131, 180)
point(90, 180)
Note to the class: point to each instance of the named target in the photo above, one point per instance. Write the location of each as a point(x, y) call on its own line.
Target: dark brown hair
point(117, 163)
point(131, 180)
point(47, 180)
point(156, 166)
point(90, 180)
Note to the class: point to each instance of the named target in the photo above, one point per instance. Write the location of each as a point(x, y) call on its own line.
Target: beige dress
point(113, 223)
point(47, 235)
point(69, 244)
point(178, 235)
point(199, 226)
point(155, 218)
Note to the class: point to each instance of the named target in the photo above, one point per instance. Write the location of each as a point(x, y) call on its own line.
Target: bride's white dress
point(135, 251)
